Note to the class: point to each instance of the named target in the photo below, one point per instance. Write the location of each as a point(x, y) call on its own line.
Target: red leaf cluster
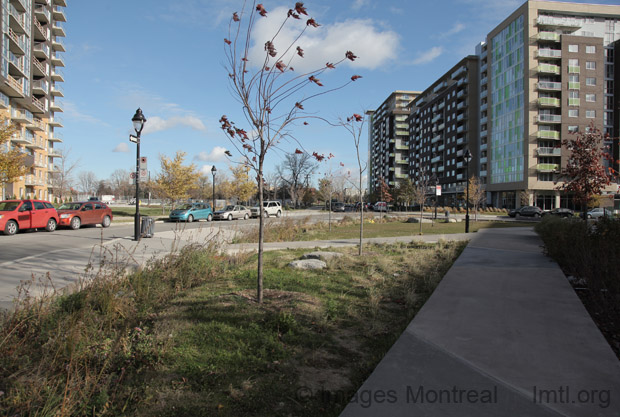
point(299, 106)
point(315, 80)
point(292, 14)
point(261, 10)
point(330, 65)
point(350, 56)
point(300, 52)
point(271, 50)
point(228, 153)
point(227, 41)
point(281, 66)
point(298, 151)
point(355, 77)
point(248, 147)
point(313, 23)
point(235, 17)
point(318, 157)
point(299, 8)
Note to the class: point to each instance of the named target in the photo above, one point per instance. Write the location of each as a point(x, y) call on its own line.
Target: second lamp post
point(138, 120)
point(213, 171)
point(467, 158)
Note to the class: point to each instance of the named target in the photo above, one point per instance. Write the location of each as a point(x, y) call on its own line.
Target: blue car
point(192, 211)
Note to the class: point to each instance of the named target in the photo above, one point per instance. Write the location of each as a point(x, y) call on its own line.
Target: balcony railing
point(573, 102)
point(573, 69)
point(548, 134)
point(546, 151)
point(548, 102)
point(549, 69)
point(547, 167)
point(548, 36)
point(548, 53)
point(574, 85)
point(549, 85)
point(548, 118)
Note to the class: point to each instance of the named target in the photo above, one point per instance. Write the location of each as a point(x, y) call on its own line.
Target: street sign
point(438, 190)
point(133, 139)
point(132, 175)
point(143, 173)
point(143, 162)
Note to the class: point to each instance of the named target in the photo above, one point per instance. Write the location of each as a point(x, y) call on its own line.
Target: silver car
point(232, 212)
point(599, 212)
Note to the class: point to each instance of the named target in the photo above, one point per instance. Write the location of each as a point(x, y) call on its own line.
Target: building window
point(573, 129)
point(573, 113)
point(590, 114)
point(591, 98)
point(590, 81)
point(590, 49)
point(573, 62)
point(591, 65)
point(573, 94)
point(573, 48)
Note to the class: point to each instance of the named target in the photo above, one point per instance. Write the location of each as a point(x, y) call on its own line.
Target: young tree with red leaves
point(585, 175)
point(272, 95)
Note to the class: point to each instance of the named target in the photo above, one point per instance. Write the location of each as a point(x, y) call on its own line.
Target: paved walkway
point(503, 334)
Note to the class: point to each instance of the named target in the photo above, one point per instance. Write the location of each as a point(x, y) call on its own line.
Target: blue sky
point(167, 57)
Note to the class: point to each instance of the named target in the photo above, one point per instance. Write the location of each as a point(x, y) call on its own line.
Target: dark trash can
point(147, 226)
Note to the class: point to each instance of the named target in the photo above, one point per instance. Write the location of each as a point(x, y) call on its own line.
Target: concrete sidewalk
point(503, 334)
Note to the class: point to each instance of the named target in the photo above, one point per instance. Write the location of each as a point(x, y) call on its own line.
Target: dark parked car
point(526, 211)
point(559, 212)
point(338, 207)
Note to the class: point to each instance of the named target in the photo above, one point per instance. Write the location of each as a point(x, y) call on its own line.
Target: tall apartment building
point(551, 73)
point(30, 74)
point(388, 140)
point(443, 123)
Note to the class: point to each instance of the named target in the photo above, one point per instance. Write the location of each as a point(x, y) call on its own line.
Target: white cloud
point(458, 27)
point(359, 4)
point(157, 124)
point(428, 56)
point(206, 170)
point(121, 147)
point(71, 112)
point(328, 43)
point(217, 154)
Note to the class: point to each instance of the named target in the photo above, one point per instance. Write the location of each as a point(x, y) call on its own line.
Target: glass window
point(591, 81)
point(573, 129)
point(590, 114)
point(590, 49)
point(573, 48)
point(573, 113)
point(39, 205)
point(573, 94)
point(573, 62)
point(590, 65)
point(591, 97)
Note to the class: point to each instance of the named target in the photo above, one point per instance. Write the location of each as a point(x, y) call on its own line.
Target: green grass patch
point(185, 337)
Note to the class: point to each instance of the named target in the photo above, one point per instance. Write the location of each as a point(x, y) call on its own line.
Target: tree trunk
point(361, 217)
point(261, 235)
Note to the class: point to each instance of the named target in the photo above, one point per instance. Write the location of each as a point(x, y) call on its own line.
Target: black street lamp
point(467, 157)
point(138, 121)
point(213, 171)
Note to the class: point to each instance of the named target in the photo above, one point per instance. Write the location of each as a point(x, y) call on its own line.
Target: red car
point(75, 215)
point(27, 214)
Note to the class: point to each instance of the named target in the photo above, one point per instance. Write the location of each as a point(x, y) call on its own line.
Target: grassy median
point(184, 336)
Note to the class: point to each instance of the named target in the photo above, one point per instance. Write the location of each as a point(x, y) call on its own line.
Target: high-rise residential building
point(388, 140)
point(548, 70)
point(443, 123)
point(30, 77)
point(550, 73)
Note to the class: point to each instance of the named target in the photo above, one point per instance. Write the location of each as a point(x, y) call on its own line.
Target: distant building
point(30, 80)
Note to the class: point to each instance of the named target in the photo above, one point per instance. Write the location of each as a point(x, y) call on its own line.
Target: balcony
point(56, 90)
point(483, 107)
point(461, 105)
point(42, 13)
point(573, 102)
point(401, 147)
point(573, 69)
point(36, 125)
point(21, 116)
point(461, 94)
point(574, 86)
point(547, 167)
point(483, 93)
point(401, 176)
point(548, 53)
point(4, 101)
point(57, 60)
point(58, 30)
point(40, 87)
point(41, 51)
point(546, 151)
point(39, 105)
point(548, 102)
point(17, 43)
point(483, 173)
point(53, 153)
point(483, 160)
point(483, 147)
point(549, 86)
point(402, 162)
point(436, 118)
point(59, 14)
point(37, 143)
point(568, 22)
point(548, 36)
point(17, 20)
point(548, 69)
point(62, 3)
point(57, 75)
point(21, 138)
point(548, 118)
point(55, 121)
point(436, 159)
point(484, 80)
point(436, 139)
point(548, 134)
point(56, 105)
point(57, 45)
point(39, 68)
point(16, 65)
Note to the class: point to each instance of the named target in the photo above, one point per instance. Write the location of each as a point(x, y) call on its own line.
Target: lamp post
point(138, 121)
point(213, 171)
point(467, 157)
point(435, 181)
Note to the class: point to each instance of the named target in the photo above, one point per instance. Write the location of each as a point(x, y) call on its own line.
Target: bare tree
point(293, 172)
point(271, 94)
point(420, 190)
point(62, 175)
point(88, 182)
point(477, 194)
point(120, 183)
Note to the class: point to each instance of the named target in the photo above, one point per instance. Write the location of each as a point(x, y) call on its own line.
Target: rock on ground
point(417, 220)
point(308, 264)
point(325, 256)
